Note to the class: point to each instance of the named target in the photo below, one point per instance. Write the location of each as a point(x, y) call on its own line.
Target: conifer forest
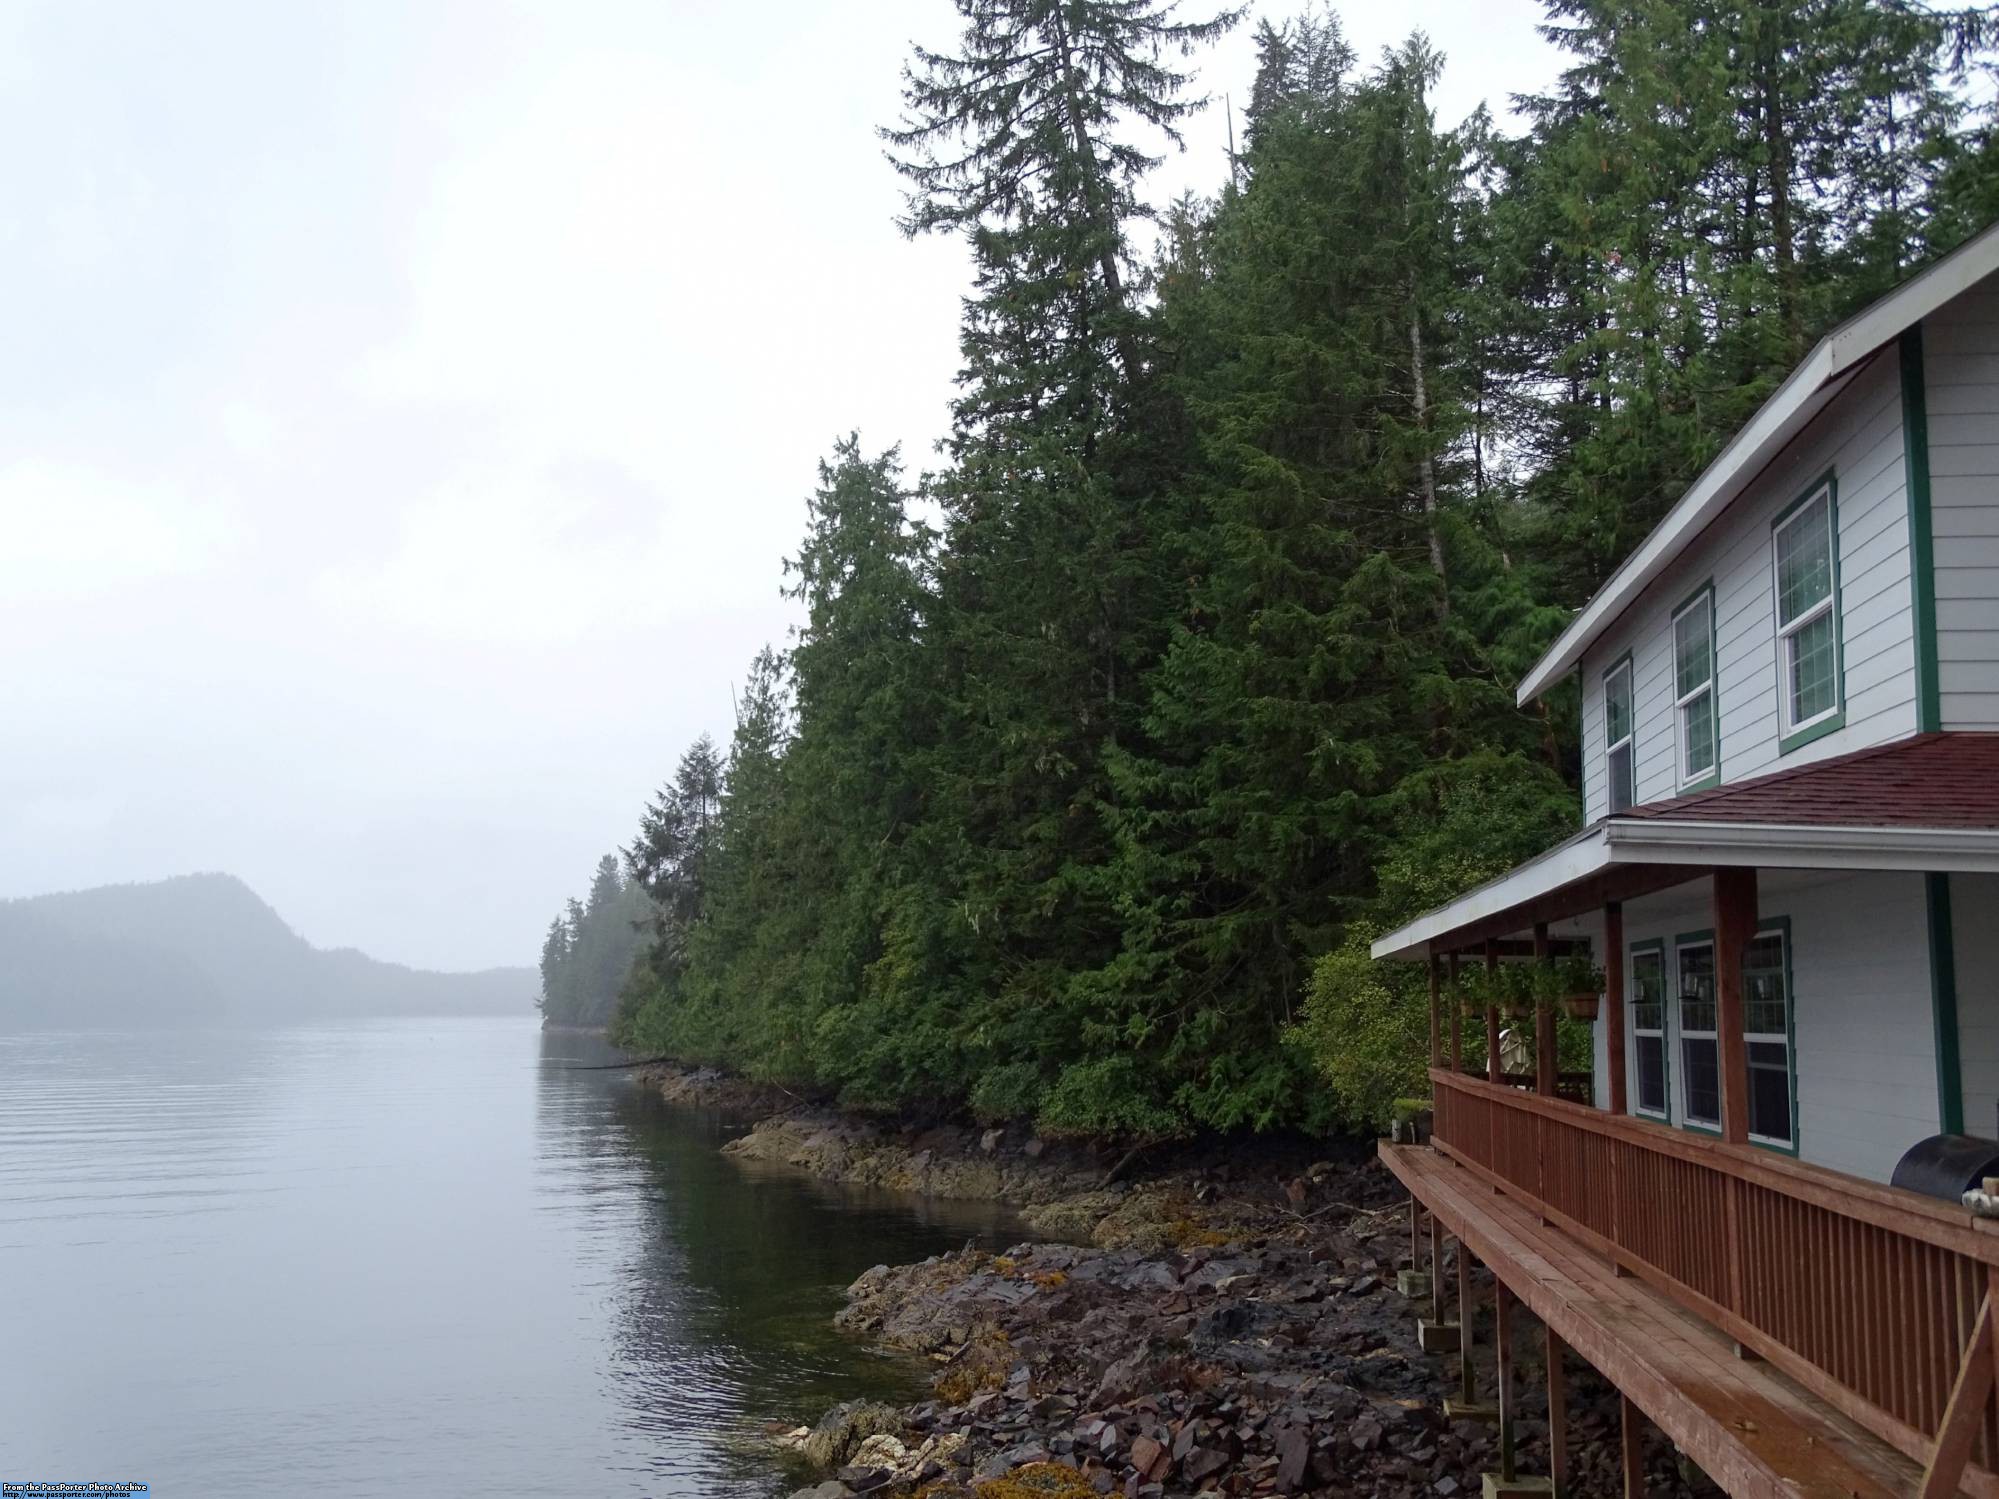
point(1112, 730)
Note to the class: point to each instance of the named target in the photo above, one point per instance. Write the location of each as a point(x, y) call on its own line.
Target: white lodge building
point(1790, 875)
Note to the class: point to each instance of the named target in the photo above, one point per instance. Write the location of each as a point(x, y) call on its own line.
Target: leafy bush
point(1013, 1090)
point(1111, 1096)
point(1366, 1030)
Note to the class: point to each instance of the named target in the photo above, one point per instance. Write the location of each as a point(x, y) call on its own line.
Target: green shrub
point(1366, 1030)
point(1013, 1090)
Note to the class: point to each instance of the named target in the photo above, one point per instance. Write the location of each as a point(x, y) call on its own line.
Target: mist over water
point(353, 1257)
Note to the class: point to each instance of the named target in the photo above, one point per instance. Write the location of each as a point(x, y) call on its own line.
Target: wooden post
point(1970, 1399)
point(1415, 1235)
point(1558, 1416)
point(1436, 1016)
point(1734, 925)
point(1436, 1268)
point(1492, 1015)
point(1457, 1022)
point(1613, 1003)
point(1631, 1439)
point(1547, 1063)
point(1502, 1343)
point(1467, 1380)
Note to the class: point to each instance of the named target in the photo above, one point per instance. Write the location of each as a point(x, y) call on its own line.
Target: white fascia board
point(1759, 845)
point(1801, 397)
point(1867, 330)
point(1798, 846)
point(1565, 863)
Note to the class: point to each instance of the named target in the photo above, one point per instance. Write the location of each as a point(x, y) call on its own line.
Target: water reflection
point(380, 1254)
point(723, 1307)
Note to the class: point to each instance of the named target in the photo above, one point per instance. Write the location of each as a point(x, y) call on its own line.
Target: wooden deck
point(1750, 1428)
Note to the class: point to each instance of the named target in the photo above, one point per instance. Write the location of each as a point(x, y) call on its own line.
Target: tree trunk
point(1426, 468)
point(1777, 139)
point(1079, 139)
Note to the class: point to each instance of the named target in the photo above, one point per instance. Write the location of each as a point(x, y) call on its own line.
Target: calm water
point(361, 1257)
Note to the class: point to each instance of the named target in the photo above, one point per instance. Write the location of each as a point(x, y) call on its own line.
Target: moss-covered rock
point(842, 1429)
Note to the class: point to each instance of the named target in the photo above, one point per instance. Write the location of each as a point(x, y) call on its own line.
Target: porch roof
point(1927, 803)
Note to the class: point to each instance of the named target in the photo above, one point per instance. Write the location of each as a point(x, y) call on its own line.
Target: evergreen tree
point(554, 957)
point(1065, 808)
point(589, 950)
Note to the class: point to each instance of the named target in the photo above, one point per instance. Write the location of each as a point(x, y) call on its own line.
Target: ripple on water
point(323, 1258)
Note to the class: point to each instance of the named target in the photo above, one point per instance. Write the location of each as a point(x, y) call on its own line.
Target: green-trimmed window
point(1700, 1045)
point(1619, 772)
point(1693, 688)
point(1766, 1024)
point(1648, 1027)
point(1807, 614)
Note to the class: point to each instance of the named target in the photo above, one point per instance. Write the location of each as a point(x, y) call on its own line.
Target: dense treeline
point(1193, 661)
point(591, 946)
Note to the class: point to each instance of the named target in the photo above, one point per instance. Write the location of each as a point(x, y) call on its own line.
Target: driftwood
point(612, 1066)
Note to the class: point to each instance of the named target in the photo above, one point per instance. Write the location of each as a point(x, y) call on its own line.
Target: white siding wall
point(1961, 373)
point(1859, 438)
point(1974, 902)
point(1865, 1040)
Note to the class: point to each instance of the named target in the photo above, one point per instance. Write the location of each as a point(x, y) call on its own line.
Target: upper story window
point(1620, 773)
point(1697, 732)
point(1807, 614)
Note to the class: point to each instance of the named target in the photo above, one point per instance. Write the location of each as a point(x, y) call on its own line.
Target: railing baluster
point(1868, 1294)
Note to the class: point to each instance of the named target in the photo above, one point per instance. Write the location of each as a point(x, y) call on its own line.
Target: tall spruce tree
point(1030, 141)
point(1317, 664)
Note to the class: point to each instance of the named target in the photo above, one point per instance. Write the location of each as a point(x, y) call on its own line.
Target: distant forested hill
point(206, 947)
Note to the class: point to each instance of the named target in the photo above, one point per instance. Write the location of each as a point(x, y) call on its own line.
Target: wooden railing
point(1866, 1295)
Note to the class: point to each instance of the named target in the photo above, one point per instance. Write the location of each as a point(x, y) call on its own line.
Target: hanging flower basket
point(1575, 984)
point(1580, 1006)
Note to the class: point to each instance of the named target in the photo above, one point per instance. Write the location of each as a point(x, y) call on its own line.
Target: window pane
point(1621, 793)
point(1765, 1004)
point(1652, 1073)
point(1813, 690)
point(1703, 1080)
point(1648, 991)
point(1617, 705)
point(1697, 732)
point(1804, 560)
point(1692, 633)
point(1697, 988)
point(1769, 1090)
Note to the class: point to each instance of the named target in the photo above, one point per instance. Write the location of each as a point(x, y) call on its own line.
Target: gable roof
point(1822, 374)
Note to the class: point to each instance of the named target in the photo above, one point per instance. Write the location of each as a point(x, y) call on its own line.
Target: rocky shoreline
point(1205, 1321)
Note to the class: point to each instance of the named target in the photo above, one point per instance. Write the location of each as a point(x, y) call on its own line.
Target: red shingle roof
point(1948, 780)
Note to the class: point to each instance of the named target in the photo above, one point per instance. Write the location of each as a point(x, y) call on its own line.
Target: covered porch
point(1794, 1328)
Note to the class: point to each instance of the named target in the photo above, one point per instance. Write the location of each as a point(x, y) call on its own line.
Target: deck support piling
point(1502, 1343)
point(1465, 1406)
point(1558, 1416)
point(1467, 1376)
point(1631, 1442)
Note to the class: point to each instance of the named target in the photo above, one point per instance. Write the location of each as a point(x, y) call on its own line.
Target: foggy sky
point(406, 406)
